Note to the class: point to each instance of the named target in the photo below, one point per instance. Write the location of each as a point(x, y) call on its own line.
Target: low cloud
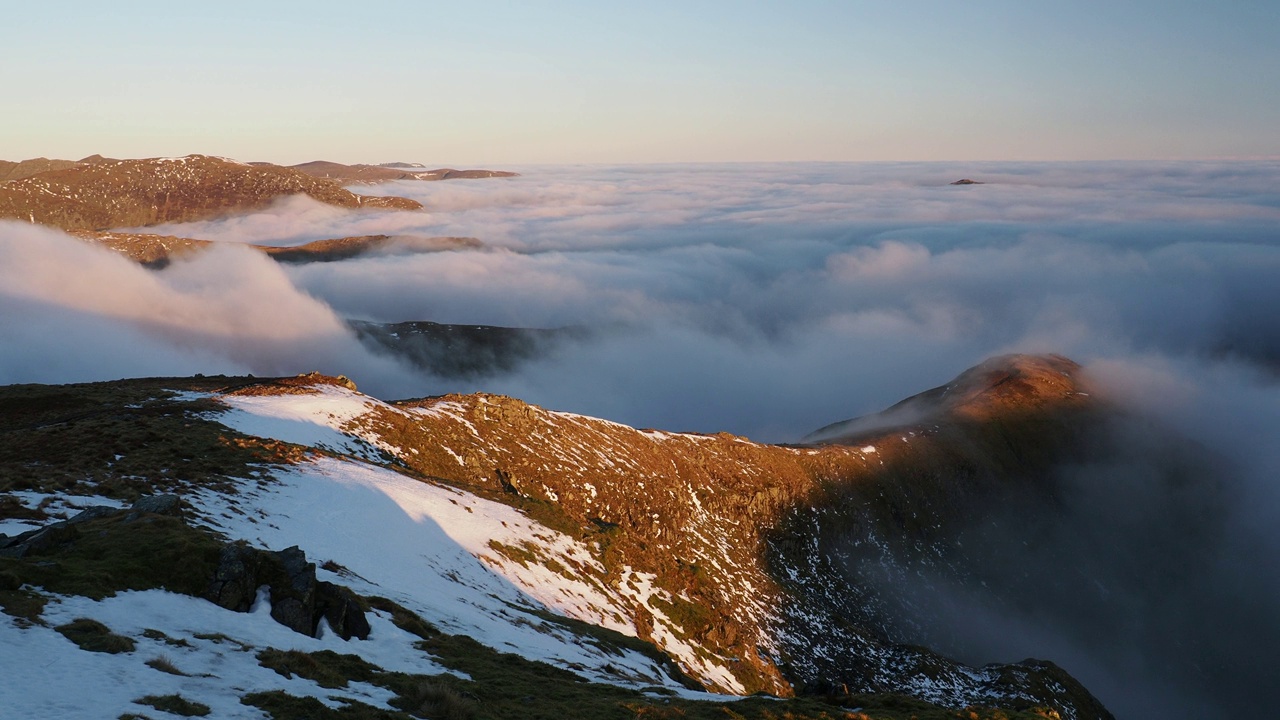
point(1154, 576)
point(77, 312)
point(295, 220)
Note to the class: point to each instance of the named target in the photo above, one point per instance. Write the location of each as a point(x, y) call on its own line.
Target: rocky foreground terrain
point(292, 548)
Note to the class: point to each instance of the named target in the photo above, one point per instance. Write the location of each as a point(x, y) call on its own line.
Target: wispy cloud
point(77, 312)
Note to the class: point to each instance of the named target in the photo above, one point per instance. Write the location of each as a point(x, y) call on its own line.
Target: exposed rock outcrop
point(157, 251)
point(65, 531)
point(139, 193)
point(369, 174)
point(298, 600)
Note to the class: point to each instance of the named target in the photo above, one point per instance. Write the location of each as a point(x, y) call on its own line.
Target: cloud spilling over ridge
point(293, 220)
point(827, 290)
point(1155, 574)
point(795, 281)
point(75, 312)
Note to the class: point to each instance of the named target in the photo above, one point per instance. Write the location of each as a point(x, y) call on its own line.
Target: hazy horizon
point(571, 81)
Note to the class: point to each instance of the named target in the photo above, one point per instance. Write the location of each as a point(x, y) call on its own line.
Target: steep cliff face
point(138, 193)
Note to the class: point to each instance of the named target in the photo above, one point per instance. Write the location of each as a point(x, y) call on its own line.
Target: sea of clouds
point(765, 300)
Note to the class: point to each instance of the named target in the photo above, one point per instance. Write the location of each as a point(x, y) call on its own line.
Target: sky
point(569, 81)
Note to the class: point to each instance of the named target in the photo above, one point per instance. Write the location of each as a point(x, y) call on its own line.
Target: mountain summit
point(138, 193)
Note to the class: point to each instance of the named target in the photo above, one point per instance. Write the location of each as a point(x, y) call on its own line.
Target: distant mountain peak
point(137, 193)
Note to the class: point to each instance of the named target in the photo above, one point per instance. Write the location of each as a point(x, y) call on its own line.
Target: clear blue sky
point(577, 81)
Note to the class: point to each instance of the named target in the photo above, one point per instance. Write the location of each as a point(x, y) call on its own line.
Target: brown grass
point(165, 665)
point(93, 636)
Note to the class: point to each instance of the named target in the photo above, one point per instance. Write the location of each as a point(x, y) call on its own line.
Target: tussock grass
point(175, 704)
point(24, 606)
point(153, 634)
point(165, 665)
point(130, 438)
point(280, 705)
point(438, 701)
point(327, 668)
point(93, 636)
point(112, 554)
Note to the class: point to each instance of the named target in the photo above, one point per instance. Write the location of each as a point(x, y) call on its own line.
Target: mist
point(73, 312)
point(1151, 575)
point(771, 300)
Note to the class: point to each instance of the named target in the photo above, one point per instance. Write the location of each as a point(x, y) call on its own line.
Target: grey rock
point(293, 592)
point(94, 512)
point(45, 538)
point(338, 605)
point(235, 582)
point(159, 504)
point(298, 600)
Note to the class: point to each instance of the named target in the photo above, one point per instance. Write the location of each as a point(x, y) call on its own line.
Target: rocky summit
point(108, 194)
point(387, 172)
point(505, 560)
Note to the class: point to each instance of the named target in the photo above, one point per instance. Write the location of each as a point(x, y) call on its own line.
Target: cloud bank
point(74, 312)
point(770, 300)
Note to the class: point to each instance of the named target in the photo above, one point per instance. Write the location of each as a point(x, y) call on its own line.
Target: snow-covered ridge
point(427, 548)
point(688, 501)
point(487, 517)
point(327, 417)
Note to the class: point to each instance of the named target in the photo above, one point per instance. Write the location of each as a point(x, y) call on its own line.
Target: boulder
point(341, 608)
point(235, 583)
point(92, 512)
point(293, 590)
point(159, 504)
point(298, 600)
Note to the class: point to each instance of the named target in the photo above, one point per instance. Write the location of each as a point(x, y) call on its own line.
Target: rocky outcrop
point(298, 600)
point(157, 251)
point(66, 531)
point(139, 193)
point(463, 351)
point(369, 174)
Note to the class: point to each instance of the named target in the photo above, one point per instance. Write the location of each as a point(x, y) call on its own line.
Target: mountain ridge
point(139, 193)
point(693, 542)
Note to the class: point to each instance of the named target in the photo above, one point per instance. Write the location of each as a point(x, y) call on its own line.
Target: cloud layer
point(75, 312)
